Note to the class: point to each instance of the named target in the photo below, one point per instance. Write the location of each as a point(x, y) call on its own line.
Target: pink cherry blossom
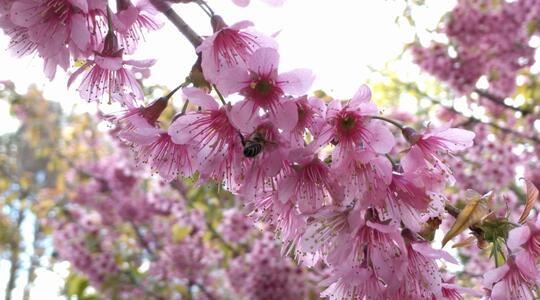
point(424, 280)
point(428, 150)
point(351, 128)
point(131, 20)
point(308, 183)
point(212, 132)
point(263, 88)
point(514, 280)
point(366, 177)
point(50, 26)
point(353, 282)
point(229, 47)
point(311, 112)
point(134, 115)
point(157, 148)
point(526, 237)
point(107, 74)
point(406, 201)
point(258, 172)
point(451, 291)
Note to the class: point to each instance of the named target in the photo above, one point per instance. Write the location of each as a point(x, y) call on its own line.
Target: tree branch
point(177, 21)
point(500, 101)
point(470, 119)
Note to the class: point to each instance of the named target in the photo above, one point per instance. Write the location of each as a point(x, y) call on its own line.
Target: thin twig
point(393, 122)
point(499, 101)
point(177, 21)
point(143, 241)
point(471, 119)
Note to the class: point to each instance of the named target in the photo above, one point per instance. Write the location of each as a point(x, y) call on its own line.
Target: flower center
point(347, 123)
point(262, 87)
point(57, 10)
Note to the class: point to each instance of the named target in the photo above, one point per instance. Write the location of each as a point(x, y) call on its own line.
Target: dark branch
point(177, 21)
point(500, 101)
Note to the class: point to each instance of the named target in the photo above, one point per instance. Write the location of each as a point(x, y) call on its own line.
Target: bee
point(254, 145)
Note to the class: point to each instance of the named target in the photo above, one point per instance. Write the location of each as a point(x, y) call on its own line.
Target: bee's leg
point(242, 138)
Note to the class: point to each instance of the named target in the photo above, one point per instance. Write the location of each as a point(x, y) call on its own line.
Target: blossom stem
point(184, 108)
point(171, 93)
point(394, 163)
point(219, 95)
point(395, 123)
point(177, 21)
point(207, 9)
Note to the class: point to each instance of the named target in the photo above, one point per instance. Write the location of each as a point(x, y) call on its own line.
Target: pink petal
point(109, 63)
point(24, 13)
point(495, 275)
point(275, 2)
point(413, 160)
point(180, 130)
point(382, 140)
point(296, 82)
point(523, 262)
point(273, 163)
point(81, 4)
point(79, 31)
point(426, 250)
point(78, 72)
point(200, 98)
point(500, 291)
point(127, 17)
point(286, 189)
point(241, 25)
point(264, 61)
point(458, 139)
point(285, 116)
point(243, 116)
point(363, 95)
point(141, 136)
point(384, 169)
point(242, 3)
point(381, 227)
point(140, 63)
point(518, 236)
point(131, 84)
point(232, 80)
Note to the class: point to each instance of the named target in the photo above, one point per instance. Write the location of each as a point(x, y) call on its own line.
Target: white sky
point(337, 39)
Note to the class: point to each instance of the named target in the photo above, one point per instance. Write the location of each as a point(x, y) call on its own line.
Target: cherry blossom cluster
point(325, 175)
point(490, 164)
point(63, 31)
point(317, 171)
point(111, 223)
point(485, 38)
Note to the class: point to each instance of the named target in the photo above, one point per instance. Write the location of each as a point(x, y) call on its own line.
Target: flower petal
point(264, 61)
point(244, 116)
point(200, 98)
point(296, 82)
point(285, 116)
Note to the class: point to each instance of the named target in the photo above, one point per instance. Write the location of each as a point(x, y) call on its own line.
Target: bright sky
point(337, 39)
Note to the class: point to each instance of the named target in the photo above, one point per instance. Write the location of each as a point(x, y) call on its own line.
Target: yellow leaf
point(473, 212)
point(532, 195)
point(179, 232)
